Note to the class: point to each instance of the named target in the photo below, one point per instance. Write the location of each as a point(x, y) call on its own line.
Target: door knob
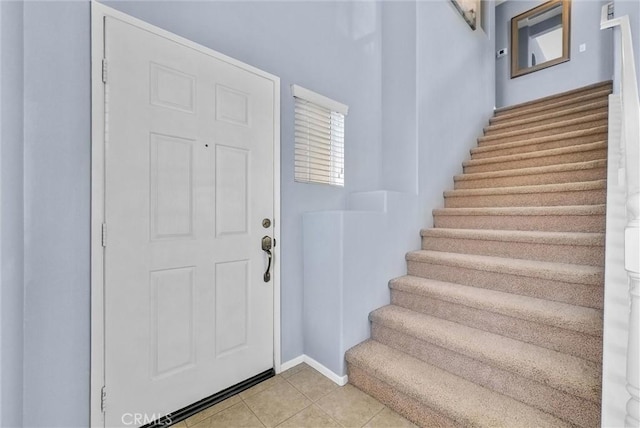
point(266, 247)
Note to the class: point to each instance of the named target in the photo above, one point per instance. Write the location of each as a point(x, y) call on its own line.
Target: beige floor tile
point(350, 406)
point(216, 408)
point(312, 384)
point(276, 404)
point(181, 424)
point(311, 417)
point(293, 370)
point(261, 386)
point(236, 416)
point(387, 418)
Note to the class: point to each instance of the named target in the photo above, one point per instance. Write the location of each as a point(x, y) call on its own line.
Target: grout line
point(254, 413)
point(328, 415)
point(375, 414)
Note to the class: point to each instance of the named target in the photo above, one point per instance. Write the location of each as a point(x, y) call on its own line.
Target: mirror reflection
point(540, 37)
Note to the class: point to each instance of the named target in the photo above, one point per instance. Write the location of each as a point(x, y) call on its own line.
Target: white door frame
point(98, 14)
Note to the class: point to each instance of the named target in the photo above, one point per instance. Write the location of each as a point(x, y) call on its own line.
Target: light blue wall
point(399, 127)
point(592, 66)
point(437, 92)
point(455, 75)
point(57, 114)
point(329, 47)
point(11, 213)
point(334, 48)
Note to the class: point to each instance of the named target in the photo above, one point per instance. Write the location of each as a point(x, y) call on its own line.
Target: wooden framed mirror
point(540, 37)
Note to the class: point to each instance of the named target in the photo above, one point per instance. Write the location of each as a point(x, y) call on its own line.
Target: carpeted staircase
point(499, 320)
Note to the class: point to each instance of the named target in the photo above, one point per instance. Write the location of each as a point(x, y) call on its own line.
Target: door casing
point(98, 13)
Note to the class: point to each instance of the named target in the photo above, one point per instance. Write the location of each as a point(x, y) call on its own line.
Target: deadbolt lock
point(266, 243)
point(266, 223)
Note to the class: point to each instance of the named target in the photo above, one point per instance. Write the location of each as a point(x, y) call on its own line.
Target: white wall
point(592, 66)
point(11, 213)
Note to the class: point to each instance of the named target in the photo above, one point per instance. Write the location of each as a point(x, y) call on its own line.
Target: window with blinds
point(319, 138)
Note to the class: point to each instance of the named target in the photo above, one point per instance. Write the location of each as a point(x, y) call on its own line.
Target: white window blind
point(319, 138)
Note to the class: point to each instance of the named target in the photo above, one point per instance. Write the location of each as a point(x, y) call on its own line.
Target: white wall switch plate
point(583, 47)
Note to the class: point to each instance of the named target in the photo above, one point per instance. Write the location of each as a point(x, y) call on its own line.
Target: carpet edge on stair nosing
point(595, 105)
point(598, 94)
point(527, 171)
point(535, 319)
point(569, 122)
point(592, 185)
point(578, 148)
point(540, 140)
point(570, 92)
point(524, 272)
point(448, 412)
point(490, 361)
point(517, 237)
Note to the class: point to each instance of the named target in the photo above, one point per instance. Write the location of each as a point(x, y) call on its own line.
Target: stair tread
point(525, 211)
point(572, 273)
point(539, 140)
point(537, 154)
point(574, 166)
point(586, 89)
point(536, 237)
point(558, 314)
point(461, 400)
point(538, 188)
point(561, 371)
point(578, 99)
point(561, 124)
point(593, 105)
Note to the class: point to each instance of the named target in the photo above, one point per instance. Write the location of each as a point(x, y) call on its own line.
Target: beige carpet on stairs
point(498, 321)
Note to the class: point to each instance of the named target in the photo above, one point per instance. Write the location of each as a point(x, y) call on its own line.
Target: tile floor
point(299, 397)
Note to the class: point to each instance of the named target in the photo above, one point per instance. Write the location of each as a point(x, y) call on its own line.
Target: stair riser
point(577, 176)
point(548, 102)
point(555, 108)
point(576, 294)
point(538, 161)
point(499, 128)
point(563, 142)
point(559, 223)
point(586, 197)
point(558, 403)
point(529, 133)
point(577, 254)
point(547, 336)
point(415, 411)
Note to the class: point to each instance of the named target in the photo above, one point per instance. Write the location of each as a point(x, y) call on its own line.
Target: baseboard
point(291, 363)
point(337, 379)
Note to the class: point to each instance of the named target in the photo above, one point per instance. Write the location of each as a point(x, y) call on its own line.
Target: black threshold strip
point(198, 406)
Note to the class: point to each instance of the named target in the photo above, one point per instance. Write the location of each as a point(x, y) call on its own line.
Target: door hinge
point(104, 70)
point(104, 234)
point(103, 399)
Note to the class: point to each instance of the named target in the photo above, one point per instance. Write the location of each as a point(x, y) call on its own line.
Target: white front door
point(189, 151)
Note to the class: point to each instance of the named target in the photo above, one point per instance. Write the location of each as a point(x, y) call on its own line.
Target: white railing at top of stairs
point(628, 176)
